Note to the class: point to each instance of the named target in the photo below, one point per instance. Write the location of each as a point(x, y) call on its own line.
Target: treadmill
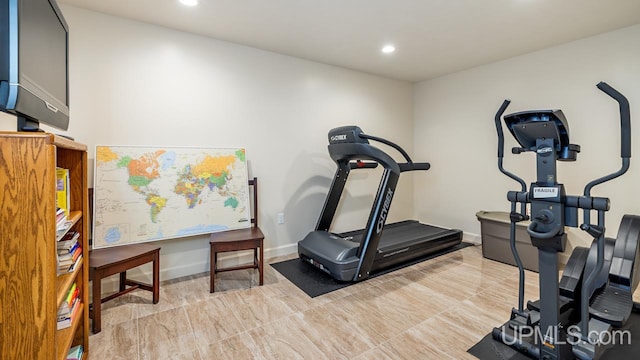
point(355, 255)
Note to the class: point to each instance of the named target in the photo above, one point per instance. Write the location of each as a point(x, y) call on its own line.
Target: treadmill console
point(346, 134)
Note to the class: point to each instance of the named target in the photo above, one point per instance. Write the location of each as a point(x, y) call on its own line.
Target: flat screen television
point(34, 77)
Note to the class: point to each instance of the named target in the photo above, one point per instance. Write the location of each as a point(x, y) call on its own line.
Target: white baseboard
point(173, 271)
point(475, 239)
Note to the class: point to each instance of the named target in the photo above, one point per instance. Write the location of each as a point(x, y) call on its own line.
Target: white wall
point(137, 84)
point(455, 131)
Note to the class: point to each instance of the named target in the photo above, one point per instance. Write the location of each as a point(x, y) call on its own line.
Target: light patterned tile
point(167, 332)
point(238, 347)
point(474, 323)
point(284, 339)
point(255, 309)
point(411, 345)
point(119, 310)
point(213, 320)
point(373, 354)
point(458, 284)
point(346, 339)
point(118, 341)
point(454, 338)
point(236, 280)
point(414, 313)
point(374, 325)
point(291, 296)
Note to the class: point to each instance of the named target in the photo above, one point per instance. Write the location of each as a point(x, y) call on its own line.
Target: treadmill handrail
point(345, 152)
point(414, 166)
point(389, 143)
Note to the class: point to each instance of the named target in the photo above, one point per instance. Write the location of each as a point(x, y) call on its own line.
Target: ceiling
point(432, 37)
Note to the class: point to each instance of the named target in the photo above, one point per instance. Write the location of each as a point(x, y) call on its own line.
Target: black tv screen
point(34, 63)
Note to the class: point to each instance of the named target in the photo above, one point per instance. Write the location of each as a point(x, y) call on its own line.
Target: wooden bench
point(119, 259)
point(237, 240)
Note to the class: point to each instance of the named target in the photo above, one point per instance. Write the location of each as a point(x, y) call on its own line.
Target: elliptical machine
point(595, 292)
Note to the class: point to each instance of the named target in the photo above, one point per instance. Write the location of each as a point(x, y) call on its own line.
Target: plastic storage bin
point(494, 227)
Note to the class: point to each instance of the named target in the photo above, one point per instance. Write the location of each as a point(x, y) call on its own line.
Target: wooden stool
point(237, 240)
point(119, 259)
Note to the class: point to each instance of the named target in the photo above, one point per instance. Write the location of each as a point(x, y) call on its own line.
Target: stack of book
point(75, 353)
point(61, 219)
point(69, 252)
point(69, 307)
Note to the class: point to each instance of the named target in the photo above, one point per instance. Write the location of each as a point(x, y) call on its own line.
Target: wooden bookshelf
point(30, 288)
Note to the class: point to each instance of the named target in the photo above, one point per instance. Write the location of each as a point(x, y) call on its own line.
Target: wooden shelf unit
point(30, 288)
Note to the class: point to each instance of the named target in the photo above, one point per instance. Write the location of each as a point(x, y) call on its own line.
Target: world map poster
point(154, 193)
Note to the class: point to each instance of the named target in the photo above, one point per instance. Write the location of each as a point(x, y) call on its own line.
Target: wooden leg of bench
point(97, 302)
point(123, 280)
point(212, 273)
point(260, 265)
point(156, 278)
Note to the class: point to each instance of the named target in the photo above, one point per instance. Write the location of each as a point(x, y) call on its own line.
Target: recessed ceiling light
point(189, 2)
point(388, 49)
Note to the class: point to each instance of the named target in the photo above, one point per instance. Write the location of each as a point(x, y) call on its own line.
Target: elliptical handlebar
point(498, 116)
point(625, 118)
point(625, 138)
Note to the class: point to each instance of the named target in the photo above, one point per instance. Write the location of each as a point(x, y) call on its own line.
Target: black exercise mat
point(315, 283)
point(488, 348)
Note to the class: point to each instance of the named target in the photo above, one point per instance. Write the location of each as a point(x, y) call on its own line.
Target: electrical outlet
point(280, 218)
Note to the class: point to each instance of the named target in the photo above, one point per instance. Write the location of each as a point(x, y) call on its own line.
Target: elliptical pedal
point(612, 305)
point(571, 280)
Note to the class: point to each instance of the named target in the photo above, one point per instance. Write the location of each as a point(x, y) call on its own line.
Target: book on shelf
point(63, 324)
point(61, 224)
point(67, 241)
point(62, 228)
point(64, 312)
point(68, 237)
point(63, 266)
point(75, 353)
point(63, 195)
point(68, 308)
point(67, 261)
point(60, 216)
point(68, 253)
point(68, 267)
point(72, 294)
point(65, 320)
point(75, 264)
point(71, 290)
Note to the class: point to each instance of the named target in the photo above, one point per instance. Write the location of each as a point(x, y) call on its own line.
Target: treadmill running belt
point(404, 233)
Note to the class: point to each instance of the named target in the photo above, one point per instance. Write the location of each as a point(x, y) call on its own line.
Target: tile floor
point(433, 310)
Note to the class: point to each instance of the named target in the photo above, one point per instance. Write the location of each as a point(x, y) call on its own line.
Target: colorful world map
point(148, 194)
